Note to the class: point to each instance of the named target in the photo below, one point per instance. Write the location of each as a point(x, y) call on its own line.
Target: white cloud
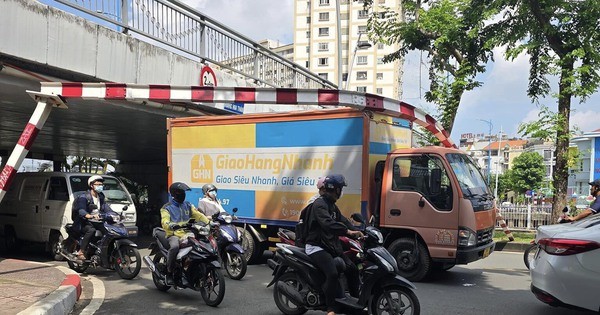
point(587, 120)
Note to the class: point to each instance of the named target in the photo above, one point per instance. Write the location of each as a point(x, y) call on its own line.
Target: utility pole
point(498, 165)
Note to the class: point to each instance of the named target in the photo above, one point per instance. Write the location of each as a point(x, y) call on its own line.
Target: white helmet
point(94, 178)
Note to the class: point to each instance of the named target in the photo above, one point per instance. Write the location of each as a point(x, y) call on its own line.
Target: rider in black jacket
point(325, 226)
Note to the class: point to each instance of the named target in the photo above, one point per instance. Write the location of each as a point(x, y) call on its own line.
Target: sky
point(502, 99)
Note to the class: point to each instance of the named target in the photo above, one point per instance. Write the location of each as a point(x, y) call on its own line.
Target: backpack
point(302, 228)
point(74, 209)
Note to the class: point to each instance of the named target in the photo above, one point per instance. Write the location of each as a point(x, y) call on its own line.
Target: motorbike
point(531, 251)
point(229, 240)
point(110, 248)
point(197, 266)
point(298, 282)
point(350, 246)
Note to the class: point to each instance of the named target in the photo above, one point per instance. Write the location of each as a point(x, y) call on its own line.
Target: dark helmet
point(178, 187)
point(334, 182)
point(177, 190)
point(596, 183)
point(208, 187)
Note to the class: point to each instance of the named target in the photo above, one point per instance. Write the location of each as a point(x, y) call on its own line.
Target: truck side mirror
point(234, 210)
point(435, 181)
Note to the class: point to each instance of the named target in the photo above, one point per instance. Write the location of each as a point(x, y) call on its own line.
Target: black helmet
point(596, 183)
point(177, 190)
point(208, 187)
point(334, 181)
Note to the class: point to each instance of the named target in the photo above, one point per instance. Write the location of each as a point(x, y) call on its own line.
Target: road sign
point(207, 77)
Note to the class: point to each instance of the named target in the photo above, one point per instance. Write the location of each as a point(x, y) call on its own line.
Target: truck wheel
point(250, 246)
point(55, 246)
point(414, 263)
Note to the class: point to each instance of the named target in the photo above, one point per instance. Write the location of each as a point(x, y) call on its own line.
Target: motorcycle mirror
point(125, 208)
point(565, 209)
point(235, 210)
point(358, 218)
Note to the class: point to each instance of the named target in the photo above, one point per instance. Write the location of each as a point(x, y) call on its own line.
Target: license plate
point(486, 252)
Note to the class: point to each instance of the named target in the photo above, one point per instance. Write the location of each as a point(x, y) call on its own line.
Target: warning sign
point(207, 77)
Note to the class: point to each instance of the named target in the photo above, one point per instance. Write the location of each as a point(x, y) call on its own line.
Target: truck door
point(29, 217)
point(55, 204)
point(415, 201)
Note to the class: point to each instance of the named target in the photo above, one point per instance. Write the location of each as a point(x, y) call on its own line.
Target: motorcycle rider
point(595, 207)
point(84, 205)
point(209, 204)
point(325, 225)
point(173, 214)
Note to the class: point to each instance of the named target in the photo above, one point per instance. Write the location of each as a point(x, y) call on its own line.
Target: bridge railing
point(195, 35)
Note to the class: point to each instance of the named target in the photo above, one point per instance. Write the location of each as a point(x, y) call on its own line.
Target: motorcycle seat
point(299, 252)
point(290, 234)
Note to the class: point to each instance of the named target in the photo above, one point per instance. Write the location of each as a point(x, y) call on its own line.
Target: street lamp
point(489, 162)
point(361, 45)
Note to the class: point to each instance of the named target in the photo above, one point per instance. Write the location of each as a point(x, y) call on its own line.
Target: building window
point(362, 89)
point(362, 60)
point(379, 75)
point(323, 31)
point(323, 76)
point(362, 29)
point(308, 20)
point(380, 61)
point(361, 75)
point(379, 91)
point(308, 49)
point(307, 34)
point(323, 46)
point(380, 46)
point(363, 14)
point(323, 61)
point(307, 65)
point(345, 16)
point(547, 155)
point(324, 16)
point(323, 2)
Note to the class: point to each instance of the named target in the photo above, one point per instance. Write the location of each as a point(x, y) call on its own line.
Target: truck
point(431, 203)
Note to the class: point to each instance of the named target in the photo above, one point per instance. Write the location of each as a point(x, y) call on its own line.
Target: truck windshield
point(469, 177)
point(113, 190)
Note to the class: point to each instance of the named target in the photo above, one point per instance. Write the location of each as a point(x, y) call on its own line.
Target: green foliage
point(450, 32)
point(527, 172)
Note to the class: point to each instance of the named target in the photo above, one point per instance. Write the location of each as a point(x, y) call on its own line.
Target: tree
point(527, 172)
point(450, 32)
point(503, 185)
point(561, 38)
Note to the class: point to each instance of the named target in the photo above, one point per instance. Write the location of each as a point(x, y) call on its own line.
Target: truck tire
point(413, 266)
point(250, 246)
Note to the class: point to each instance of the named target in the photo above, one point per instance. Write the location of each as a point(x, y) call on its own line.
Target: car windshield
point(469, 176)
point(113, 190)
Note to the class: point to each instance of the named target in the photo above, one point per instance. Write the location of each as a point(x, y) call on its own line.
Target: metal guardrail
point(526, 217)
point(195, 35)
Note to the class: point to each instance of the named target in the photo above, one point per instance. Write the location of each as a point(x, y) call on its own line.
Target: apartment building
point(587, 168)
point(362, 68)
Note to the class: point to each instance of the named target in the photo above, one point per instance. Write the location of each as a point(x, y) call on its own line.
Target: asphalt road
point(496, 285)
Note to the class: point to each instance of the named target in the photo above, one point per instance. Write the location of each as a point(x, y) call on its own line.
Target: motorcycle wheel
point(395, 300)
point(529, 254)
point(128, 267)
point(213, 287)
point(236, 266)
point(80, 268)
point(160, 262)
point(283, 302)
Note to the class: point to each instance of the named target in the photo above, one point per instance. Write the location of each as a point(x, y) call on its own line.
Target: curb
point(62, 300)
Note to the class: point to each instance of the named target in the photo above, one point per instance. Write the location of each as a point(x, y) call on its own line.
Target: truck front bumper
point(467, 255)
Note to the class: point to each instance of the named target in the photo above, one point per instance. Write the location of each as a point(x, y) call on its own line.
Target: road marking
point(97, 296)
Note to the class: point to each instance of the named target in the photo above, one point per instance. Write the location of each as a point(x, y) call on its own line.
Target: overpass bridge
point(157, 42)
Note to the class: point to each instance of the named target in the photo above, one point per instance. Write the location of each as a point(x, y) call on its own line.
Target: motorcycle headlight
point(375, 234)
point(227, 219)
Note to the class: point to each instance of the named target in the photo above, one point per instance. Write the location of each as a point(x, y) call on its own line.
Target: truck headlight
point(466, 237)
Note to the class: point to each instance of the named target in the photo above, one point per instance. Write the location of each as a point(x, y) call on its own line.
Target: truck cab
point(436, 210)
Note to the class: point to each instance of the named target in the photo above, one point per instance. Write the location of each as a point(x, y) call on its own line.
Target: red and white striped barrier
point(503, 225)
point(189, 94)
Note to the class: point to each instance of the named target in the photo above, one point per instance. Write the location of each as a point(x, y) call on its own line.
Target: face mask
point(99, 189)
point(213, 194)
point(179, 197)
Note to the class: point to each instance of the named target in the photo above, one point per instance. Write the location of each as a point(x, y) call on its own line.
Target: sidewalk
point(28, 287)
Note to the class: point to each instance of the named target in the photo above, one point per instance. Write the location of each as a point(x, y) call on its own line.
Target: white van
point(37, 206)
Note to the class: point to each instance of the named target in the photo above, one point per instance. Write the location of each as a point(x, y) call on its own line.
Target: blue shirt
point(595, 207)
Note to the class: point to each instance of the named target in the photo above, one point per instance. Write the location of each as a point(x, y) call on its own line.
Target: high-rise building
point(316, 46)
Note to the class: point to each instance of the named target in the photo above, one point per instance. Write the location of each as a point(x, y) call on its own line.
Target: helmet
point(208, 187)
point(95, 178)
point(178, 187)
point(335, 181)
point(320, 182)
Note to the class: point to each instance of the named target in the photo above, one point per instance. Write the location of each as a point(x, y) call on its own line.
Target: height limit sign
point(207, 77)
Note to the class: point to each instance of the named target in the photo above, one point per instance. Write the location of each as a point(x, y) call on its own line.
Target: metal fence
point(526, 217)
point(192, 34)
